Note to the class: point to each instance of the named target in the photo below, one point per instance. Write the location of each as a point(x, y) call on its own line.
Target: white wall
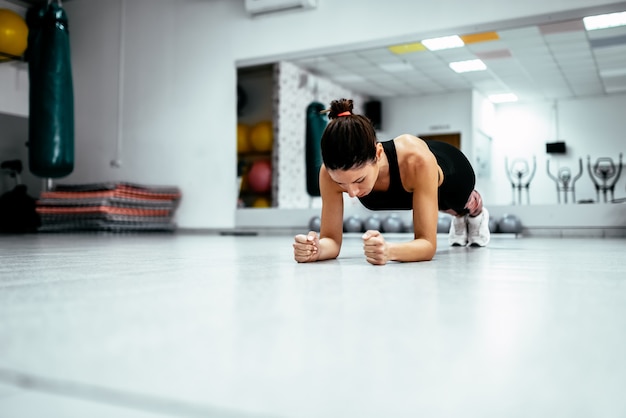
point(178, 103)
point(179, 59)
point(483, 126)
point(437, 114)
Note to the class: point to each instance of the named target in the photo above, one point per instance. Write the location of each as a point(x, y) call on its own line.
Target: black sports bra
point(395, 197)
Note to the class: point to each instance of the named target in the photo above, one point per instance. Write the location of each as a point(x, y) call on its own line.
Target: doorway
point(453, 139)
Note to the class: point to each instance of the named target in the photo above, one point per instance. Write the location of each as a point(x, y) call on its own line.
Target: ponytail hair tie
point(346, 113)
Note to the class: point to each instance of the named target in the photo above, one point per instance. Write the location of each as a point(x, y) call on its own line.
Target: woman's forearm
point(417, 250)
point(328, 248)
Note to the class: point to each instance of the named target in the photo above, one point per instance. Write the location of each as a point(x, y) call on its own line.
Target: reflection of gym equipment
point(510, 224)
point(565, 183)
point(601, 174)
point(315, 124)
point(520, 176)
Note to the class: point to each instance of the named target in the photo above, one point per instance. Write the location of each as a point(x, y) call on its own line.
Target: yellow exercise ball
point(243, 138)
point(261, 202)
point(262, 136)
point(13, 34)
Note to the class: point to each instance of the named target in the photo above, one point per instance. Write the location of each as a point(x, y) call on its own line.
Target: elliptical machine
point(520, 175)
point(565, 183)
point(605, 175)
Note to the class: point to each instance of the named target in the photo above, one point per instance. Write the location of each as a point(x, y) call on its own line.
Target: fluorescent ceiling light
point(614, 72)
point(502, 98)
point(615, 89)
point(610, 20)
point(446, 42)
point(467, 66)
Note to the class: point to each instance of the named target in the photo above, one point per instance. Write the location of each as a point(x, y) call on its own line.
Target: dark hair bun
point(339, 106)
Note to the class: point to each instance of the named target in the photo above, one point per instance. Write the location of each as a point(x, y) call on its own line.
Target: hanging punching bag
point(315, 124)
point(51, 106)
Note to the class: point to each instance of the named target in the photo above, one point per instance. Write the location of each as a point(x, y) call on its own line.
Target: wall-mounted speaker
point(373, 111)
point(556, 148)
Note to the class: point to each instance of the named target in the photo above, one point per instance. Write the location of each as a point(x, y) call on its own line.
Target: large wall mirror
point(538, 107)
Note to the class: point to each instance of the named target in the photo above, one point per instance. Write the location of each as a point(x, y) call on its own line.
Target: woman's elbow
point(430, 252)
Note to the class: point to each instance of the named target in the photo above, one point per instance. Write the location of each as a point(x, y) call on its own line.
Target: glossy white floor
point(220, 326)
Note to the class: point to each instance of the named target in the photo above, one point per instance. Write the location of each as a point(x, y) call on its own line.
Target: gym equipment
point(353, 224)
point(603, 171)
point(262, 136)
point(392, 223)
point(443, 223)
point(493, 225)
point(260, 176)
point(243, 138)
point(51, 97)
point(408, 226)
point(13, 35)
point(315, 124)
point(372, 223)
point(18, 210)
point(510, 224)
point(520, 177)
point(261, 202)
point(117, 207)
point(315, 223)
point(565, 183)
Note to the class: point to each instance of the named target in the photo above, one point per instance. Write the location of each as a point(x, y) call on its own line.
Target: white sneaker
point(458, 231)
point(478, 229)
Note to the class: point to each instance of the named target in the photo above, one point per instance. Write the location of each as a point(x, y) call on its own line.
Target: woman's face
point(357, 181)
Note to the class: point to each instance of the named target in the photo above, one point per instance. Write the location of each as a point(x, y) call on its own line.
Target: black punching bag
point(51, 105)
point(315, 124)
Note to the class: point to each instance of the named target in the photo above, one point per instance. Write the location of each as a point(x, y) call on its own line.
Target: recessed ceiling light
point(407, 48)
point(502, 98)
point(613, 72)
point(467, 66)
point(446, 42)
point(610, 20)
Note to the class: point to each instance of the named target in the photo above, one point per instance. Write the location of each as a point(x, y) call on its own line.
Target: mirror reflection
point(535, 108)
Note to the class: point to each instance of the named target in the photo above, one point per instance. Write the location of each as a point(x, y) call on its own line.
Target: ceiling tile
point(561, 27)
point(555, 60)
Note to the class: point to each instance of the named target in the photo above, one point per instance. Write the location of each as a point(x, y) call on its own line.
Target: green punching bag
point(315, 124)
point(51, 97)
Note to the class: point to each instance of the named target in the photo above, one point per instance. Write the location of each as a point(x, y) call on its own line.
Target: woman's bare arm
point(331, 230)
point(420, 174)
point(311, 247)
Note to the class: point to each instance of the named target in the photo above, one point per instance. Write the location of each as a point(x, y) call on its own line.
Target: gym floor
point(192, 325)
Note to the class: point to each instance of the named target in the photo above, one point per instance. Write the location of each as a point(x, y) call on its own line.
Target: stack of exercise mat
point(113, 207)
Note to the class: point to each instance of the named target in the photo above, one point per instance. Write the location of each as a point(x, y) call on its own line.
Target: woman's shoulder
point(411, 147)
point(406, 139)
point(414, 156)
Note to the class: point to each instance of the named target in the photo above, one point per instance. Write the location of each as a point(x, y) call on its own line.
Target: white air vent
point(259, 7)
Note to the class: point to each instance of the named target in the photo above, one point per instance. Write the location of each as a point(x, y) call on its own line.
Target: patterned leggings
point(473, 207)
